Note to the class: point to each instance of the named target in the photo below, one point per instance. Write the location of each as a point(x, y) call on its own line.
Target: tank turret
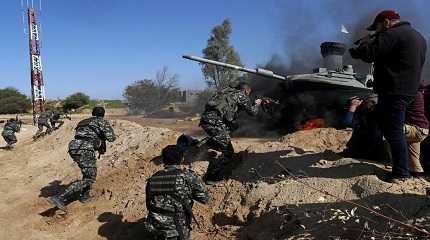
point(332, 52)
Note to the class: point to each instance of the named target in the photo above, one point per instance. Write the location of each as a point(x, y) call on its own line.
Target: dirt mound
point(260, 200)
point(318, 139)
point(37, 170)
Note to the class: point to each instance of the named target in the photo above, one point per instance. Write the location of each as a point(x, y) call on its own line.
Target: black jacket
point(399, 55)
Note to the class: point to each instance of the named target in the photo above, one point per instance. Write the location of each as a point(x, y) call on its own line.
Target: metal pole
point(37, 84)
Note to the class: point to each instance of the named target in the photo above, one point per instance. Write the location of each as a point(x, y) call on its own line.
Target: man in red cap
point(398, 52)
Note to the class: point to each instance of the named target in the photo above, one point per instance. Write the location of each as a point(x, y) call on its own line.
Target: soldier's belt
point(84, 138)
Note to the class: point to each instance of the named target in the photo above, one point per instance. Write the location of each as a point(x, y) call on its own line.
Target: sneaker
point(58, 202)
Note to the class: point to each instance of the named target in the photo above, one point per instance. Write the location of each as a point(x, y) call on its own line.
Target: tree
point(75, 101)
point(149, 95)
point(12, 101)
point(219, 49)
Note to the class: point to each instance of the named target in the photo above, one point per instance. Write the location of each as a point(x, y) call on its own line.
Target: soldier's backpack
point(165, 183)
point(224, 103)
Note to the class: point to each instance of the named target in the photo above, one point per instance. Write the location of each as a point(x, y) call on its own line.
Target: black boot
point(59, 202)
point(85, 196)
point(212, 177)
point(9, 146)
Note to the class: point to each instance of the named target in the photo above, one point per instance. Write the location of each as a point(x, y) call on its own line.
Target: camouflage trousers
point(162, 236)
point(9, 138)
point(220, 140)
point(156, 234)
point(40, 126)
point(86, 161)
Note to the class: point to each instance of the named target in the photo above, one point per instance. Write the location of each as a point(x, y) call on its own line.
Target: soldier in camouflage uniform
point(43, 121)
point(56, 118)
point(10, 128)
point(170, 194)
point(91, 136)
point(219, 119)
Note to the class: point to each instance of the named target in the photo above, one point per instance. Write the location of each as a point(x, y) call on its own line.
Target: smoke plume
point(308, 23)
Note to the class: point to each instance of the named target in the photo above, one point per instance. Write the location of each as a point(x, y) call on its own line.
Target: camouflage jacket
point(56, 115)
point(170, 194)
point(44, 117)
point(90, 133)
point(229, 102)
point(11, 127)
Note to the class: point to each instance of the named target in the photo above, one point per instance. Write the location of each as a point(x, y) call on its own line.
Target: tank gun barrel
point(257, 71)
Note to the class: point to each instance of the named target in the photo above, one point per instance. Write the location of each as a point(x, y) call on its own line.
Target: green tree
point(219, 49)
point(150, 95)
point(75, 101)
point(12, 101)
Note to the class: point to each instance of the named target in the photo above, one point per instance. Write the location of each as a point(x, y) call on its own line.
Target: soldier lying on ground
point(170, 194)
point(10, 128)
point(219, 119)
point(91, 135)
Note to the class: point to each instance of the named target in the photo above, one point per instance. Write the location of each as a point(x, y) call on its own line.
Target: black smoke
point(305, 25)
point(308, 23)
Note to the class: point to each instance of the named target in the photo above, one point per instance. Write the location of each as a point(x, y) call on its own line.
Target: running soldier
point(219, 119)
point(43, 121)
point(91, 135)
point(56, 118)
point(170, 195)
point(10, 128)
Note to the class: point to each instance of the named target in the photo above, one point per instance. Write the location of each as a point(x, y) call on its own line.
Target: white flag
point(343, 29)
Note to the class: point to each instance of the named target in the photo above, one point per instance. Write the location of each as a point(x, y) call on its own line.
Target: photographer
point(398, 52)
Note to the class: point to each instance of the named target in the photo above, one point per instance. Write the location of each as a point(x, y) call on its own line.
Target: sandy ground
point(258, 201)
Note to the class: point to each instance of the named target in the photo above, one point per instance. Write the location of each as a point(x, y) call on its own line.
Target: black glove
point(102, 148)
point(233, 126)
point(354, 53)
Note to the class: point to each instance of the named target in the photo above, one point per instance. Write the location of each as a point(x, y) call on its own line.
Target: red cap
point(386, 14)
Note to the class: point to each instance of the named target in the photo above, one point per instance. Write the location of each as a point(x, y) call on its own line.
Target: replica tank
point(334, 73)
point(323, 94)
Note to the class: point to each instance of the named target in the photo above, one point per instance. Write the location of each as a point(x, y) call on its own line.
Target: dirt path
point(258, 202)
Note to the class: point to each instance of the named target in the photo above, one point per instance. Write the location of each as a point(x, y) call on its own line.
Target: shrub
point(75, 101)
point(12, 101)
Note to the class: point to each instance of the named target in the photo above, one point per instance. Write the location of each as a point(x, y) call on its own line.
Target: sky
point(100, 46)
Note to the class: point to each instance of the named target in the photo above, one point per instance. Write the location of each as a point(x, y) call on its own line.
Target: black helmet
point(98, 111)
point(186, 141)
point(172, 155)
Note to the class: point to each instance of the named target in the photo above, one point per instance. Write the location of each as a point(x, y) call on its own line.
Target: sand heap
point(259, 200)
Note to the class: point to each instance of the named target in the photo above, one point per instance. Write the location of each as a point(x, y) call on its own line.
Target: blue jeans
point(392, 110)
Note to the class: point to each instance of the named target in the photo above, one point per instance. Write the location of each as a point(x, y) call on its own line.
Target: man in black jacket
point(398, 52)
